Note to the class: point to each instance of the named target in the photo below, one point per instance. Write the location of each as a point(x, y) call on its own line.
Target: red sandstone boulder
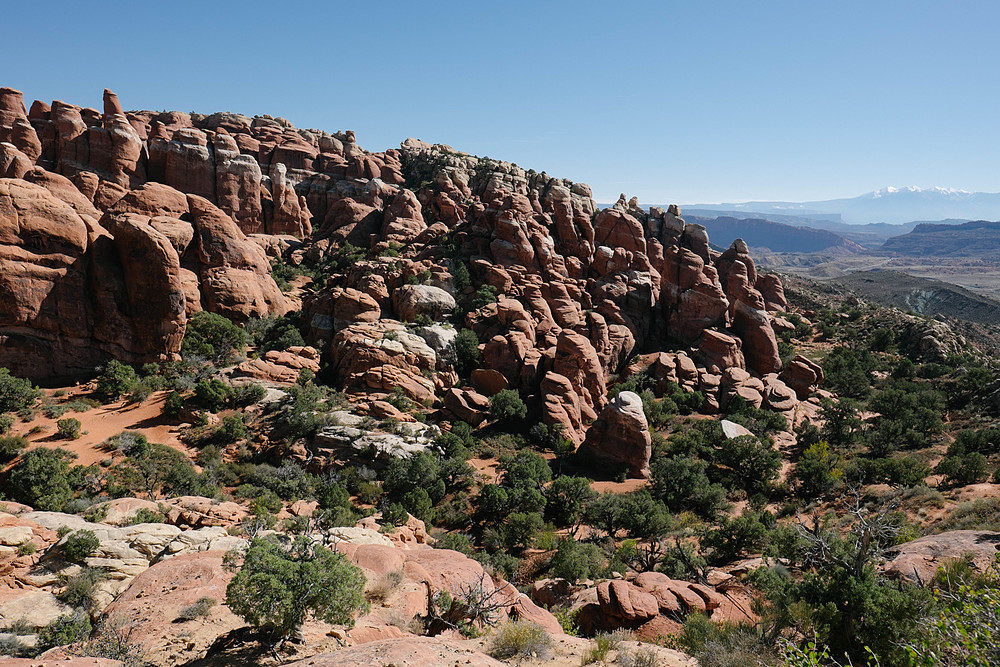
point(621, 436)
point(803, 376)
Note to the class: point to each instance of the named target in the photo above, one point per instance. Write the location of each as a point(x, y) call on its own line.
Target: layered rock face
point(78, 288)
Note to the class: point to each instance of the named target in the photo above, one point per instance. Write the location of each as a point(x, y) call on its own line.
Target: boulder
point(412, 301)
point(919, 559)
point(621, 436)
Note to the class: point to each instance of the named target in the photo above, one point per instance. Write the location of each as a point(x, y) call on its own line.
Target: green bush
point(40, 479)
point(6, 421)
point(507, 405)
point(232, 429)
point(67, 629)
point(574, 560)
point(80, 545)
point(213, 395)
point(276, 588)
point(467, 354)
point(214, 337)
point(962, 469)
point(16, 393)
point(817, 471)
point(173, 404)
point(566, 498)
point(69, 428)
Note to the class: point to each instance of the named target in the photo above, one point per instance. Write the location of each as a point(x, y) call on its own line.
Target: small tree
point(507, 404)
point(467, 355)
point(15, 393)
point(213, 336)
point(276, 588)
point(40, 479)
point(115, 380)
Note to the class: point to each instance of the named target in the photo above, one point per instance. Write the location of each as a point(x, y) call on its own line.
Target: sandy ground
point(100, 423)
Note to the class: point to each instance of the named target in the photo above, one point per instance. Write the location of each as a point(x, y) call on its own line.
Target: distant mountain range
point(979, 239)
point(888, 205)
point(775, 236)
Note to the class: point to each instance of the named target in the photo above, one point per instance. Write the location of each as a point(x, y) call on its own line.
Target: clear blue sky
point(670, 101)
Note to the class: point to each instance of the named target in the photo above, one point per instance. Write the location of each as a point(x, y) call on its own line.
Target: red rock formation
point(621, 436)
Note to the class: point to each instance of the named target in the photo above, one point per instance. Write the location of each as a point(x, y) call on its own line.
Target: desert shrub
point(212, 394)
point(82, 404)
point(247, 394)
point(11, 446)
point(818, 471)
point(460, 277)
point(484, 296)
point(78, 589)
point(55, 411)
point(906, 471)
point(683, 484)
point(214, 337)
point(6, 421)
point(640, 657)
point(16, 393)
point(737, 537)
point(115, 639)
point(68, 428)
point(638, 513)
point(201, 608)
point(140, 392)
point(146, 515)
point(757, 421)
point(40, 479)
point(574, 560)
point(154, 469)
point(750, 464)
point(459, 542)
point(232, 429)
point(66, 629)
point(384, 587)
point(80, 545)
point(842, 425)
point(289, 480)
point(276, 588)
point(725, 644)
point(602, 644)
point(962, 469)
point(173, 404)
point(394, 514)
point(520, 639)
point(849, 372)
point(271, 333)
point(116, 380)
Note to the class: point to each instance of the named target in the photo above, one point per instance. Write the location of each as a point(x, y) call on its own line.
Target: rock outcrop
point(620, 436)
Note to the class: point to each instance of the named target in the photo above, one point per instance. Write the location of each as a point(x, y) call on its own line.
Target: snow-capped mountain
point(893, 205)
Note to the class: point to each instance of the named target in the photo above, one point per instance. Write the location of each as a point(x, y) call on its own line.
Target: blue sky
point(670, 101)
